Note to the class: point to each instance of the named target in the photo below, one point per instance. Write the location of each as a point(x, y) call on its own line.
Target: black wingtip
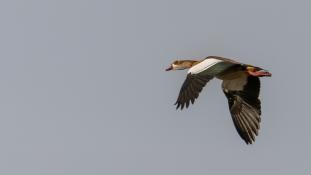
point(182, 106)
point(249, 141)
point(178, 104)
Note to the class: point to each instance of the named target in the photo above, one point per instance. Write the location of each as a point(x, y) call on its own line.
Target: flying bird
point(240, 84)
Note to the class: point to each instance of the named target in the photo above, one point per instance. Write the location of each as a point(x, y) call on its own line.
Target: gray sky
point(84, 91)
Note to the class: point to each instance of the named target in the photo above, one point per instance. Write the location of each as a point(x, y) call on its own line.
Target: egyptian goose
point(240, 84)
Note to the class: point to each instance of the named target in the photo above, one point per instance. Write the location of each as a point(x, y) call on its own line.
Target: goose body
point(240, 84)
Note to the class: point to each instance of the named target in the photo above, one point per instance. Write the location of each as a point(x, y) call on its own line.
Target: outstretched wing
point(244, 105)
point(190, 89)
point(197, 78)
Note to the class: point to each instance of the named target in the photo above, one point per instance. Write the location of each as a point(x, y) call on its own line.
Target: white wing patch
point(204, 65)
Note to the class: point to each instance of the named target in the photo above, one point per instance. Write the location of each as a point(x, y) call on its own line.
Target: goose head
point(182, 64)
point(258, 72)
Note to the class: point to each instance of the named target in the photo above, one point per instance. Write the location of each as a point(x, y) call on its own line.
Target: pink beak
point(264, 73)
point(261, 73)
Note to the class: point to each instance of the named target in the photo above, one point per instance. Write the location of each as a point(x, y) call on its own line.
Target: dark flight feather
point(190, 89)
point(245, 109)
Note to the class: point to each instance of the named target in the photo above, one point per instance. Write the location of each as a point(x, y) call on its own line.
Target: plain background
point(84, 91)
